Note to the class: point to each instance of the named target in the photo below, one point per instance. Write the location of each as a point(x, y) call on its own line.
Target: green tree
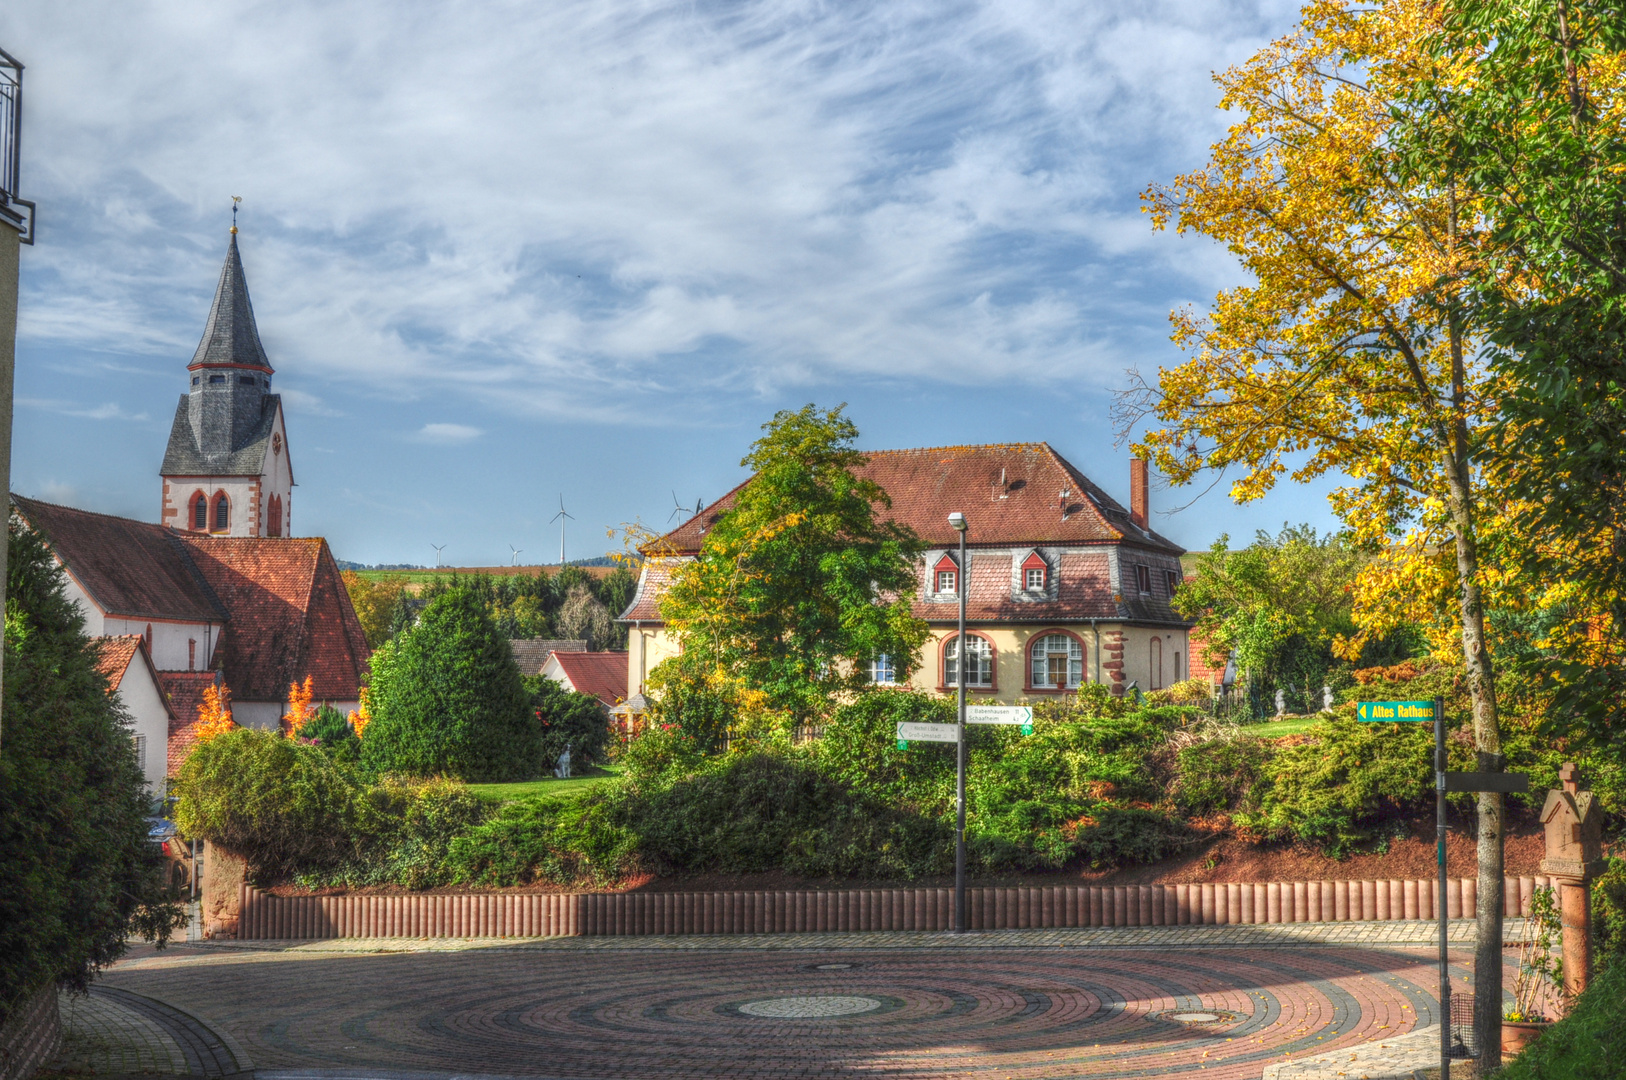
point(448, 699)
point(568, 719)
point(1279, 604)
point(1537, 126)
point(78, 876)
point(801, 582)
point(377, 603)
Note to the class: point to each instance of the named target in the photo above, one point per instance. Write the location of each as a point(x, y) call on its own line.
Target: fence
point(264, 915)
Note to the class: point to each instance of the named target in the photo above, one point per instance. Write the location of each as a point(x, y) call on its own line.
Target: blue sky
point(505, 252)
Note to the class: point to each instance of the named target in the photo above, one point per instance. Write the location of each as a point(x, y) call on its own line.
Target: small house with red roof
point(601, 674)
point(130, 675)
point(1065, 586)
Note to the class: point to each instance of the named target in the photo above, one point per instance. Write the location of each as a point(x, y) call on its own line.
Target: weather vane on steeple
point(235, 199)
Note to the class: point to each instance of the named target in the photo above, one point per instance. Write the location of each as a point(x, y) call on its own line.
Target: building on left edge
point(218, 592)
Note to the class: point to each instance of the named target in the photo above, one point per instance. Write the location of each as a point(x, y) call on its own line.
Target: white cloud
point(579, 208)
point(448, 433)
point(105, 411)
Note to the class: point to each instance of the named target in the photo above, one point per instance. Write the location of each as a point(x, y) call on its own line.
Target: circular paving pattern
point(988, 1013)
point(798, 1008)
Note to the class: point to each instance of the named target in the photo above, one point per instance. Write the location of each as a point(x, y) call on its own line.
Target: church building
point(217, 593)
point(226, 471)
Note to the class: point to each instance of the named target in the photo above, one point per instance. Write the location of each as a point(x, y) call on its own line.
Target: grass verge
point(525, 789)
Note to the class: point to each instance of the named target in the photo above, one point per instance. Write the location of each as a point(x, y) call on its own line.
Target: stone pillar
point(1574, 854)
point(223, 876)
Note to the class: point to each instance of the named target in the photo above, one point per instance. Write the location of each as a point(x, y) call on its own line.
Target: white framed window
point(1057, 660)
point(979, 662)
point(947, 581)
point(1035, 579)
point(882, 672)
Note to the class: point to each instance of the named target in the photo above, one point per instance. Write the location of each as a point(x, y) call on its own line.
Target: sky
point(504, 255)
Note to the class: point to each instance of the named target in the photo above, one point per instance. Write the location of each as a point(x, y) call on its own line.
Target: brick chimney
point(1137, 491)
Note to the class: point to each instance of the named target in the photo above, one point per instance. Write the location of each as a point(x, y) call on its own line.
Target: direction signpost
point(1001, 714)
point(1376, 712)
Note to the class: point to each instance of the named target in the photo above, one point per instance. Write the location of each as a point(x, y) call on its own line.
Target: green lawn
point(524, 789)
point(1275, 729)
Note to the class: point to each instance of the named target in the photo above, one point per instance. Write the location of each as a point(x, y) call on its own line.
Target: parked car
point(177, 854)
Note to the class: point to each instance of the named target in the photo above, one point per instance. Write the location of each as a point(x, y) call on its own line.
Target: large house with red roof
point(1065, 585)
point(218, 591)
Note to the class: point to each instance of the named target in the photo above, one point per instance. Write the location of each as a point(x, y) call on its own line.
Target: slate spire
point(230, 336)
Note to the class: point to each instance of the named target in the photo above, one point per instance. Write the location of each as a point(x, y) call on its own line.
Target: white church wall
point(242, 492)
point(149, 721)
point(278, 480)
point(265, 715)
point(175, 646)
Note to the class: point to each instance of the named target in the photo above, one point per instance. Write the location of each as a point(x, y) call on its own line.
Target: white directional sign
point(928, 732)
point(999, 714)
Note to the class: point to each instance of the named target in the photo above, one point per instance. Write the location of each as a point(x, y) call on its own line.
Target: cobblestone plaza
point(1220, 1001)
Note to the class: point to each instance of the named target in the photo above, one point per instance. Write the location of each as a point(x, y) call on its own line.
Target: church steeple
point(230, 336)
point(226, 469)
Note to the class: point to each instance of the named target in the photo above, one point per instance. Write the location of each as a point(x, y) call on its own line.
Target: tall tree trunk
point(1488, 745)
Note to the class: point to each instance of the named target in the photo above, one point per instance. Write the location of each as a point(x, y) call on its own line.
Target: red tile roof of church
point(285, 610)
point(602, 674)
point(288, 616)
point(128, 567)
point(1043, 499)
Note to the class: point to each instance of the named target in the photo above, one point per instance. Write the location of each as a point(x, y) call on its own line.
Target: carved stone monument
point(1574, 825)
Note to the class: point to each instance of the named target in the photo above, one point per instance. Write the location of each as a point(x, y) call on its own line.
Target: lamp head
point(957, 520)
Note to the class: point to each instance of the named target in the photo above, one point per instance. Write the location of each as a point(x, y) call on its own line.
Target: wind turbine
point(559, 517)
point(516, 552)
point(679, 508)
point(438, 549)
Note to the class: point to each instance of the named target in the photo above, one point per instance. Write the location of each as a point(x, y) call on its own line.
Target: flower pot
point(1518, 1034)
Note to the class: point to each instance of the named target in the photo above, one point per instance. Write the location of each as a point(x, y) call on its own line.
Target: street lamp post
point(961, 584)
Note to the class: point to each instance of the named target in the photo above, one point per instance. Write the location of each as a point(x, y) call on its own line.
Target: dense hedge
point(448, 700)
point(77, 873)
point(1100, 781)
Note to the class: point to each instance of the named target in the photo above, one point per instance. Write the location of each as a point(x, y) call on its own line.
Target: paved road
point(810, 1005)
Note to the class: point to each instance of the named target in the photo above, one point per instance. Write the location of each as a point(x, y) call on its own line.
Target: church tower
point(226, 471)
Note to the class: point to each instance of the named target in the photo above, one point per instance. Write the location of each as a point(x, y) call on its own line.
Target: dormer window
point(1173, 577)
point(1035, 573)
point(947, 575)
point(1143, 580)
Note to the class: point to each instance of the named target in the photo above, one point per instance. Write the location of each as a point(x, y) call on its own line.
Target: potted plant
point(1540, 980)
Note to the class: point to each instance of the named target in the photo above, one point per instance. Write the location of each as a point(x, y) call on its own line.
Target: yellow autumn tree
point(300, 708)
point(375, 603)
point(214, 713)
point(1350, 351)
point(361, 715)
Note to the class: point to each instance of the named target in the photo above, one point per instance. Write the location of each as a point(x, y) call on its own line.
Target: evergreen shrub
point(1588, 1044)
point(78, 876)
point(566, 718)
point(329, 729)
point(447, 699)
point(286, 806)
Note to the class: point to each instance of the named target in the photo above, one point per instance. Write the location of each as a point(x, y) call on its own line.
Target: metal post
point(1443, 911)
point(962, 585)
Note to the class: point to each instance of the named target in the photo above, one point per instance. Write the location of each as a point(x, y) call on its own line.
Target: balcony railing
point(15, 210)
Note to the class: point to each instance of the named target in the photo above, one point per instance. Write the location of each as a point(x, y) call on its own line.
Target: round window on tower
point(276, 443)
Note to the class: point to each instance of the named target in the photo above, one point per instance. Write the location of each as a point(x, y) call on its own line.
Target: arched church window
point(274, 516)
point(200, 511)
point(222, 513)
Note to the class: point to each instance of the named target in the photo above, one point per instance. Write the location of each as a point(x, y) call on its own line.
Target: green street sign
point(1394, 711)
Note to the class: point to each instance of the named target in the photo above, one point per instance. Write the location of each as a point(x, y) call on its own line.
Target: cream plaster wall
point(650, 645)
point(646, 647)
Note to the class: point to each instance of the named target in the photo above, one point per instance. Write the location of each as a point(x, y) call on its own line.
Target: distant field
point(525, 789)
point(425, 577)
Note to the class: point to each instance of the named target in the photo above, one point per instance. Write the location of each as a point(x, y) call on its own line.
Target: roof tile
point(602, 674)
